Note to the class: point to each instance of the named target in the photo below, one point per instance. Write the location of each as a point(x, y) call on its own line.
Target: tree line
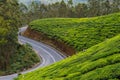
point(9, 23)
point(68, 9)
point(13, 56)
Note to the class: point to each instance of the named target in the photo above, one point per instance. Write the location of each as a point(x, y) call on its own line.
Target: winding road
point(48, 54)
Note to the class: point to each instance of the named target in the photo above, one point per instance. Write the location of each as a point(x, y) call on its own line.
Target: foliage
point(100, 62)
point(13, 57)
point(66, 8)
point(79, 33)
point(23, 59)
point(8, 30)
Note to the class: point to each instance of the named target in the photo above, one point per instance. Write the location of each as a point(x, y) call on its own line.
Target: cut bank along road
point(48, 54)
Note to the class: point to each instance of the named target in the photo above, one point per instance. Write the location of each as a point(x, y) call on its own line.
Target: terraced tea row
point(99, 62)
point(79, 33)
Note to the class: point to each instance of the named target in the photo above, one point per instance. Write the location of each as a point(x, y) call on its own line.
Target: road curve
point(48, 54)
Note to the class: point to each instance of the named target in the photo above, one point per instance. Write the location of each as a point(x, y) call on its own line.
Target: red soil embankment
point(52, 42)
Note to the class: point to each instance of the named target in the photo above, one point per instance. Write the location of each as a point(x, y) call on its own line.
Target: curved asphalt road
point(48, 54)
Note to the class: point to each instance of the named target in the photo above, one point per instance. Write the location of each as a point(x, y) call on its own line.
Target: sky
point(49, 1)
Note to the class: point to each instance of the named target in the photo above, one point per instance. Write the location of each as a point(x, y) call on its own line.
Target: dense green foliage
point(100, 62)
point(23, 59)
point(67, 8)
point(8, 31)
point(79, 33)
point(13, 57)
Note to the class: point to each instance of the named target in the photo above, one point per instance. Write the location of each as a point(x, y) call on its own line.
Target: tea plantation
point(97, 41)
point(79, 33)
point(100, 62)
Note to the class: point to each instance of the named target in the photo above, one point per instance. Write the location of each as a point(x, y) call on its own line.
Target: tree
point(94, 7)
point(106, 7)
point(70, 9)
point(81, 10)
point(24, 16)
point(53, 10)
point(62, 9)
point(70, 3)
point(9, 13)
point(115, 6)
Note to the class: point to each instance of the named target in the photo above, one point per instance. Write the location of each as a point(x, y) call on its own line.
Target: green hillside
point(100, 62)
point(80, 33)
point(94, 61)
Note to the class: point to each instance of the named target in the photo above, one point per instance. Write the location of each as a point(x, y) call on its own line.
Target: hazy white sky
point(50, 1)
point(43, 1)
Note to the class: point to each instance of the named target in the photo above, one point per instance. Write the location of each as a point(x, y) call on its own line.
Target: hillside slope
point(100, 62)
point(79, 33)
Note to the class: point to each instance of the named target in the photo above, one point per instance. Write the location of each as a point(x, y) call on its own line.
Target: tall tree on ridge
point(9, 13)
point(62, 9)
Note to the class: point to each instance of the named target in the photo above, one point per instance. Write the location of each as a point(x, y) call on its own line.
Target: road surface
point(48, 54)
